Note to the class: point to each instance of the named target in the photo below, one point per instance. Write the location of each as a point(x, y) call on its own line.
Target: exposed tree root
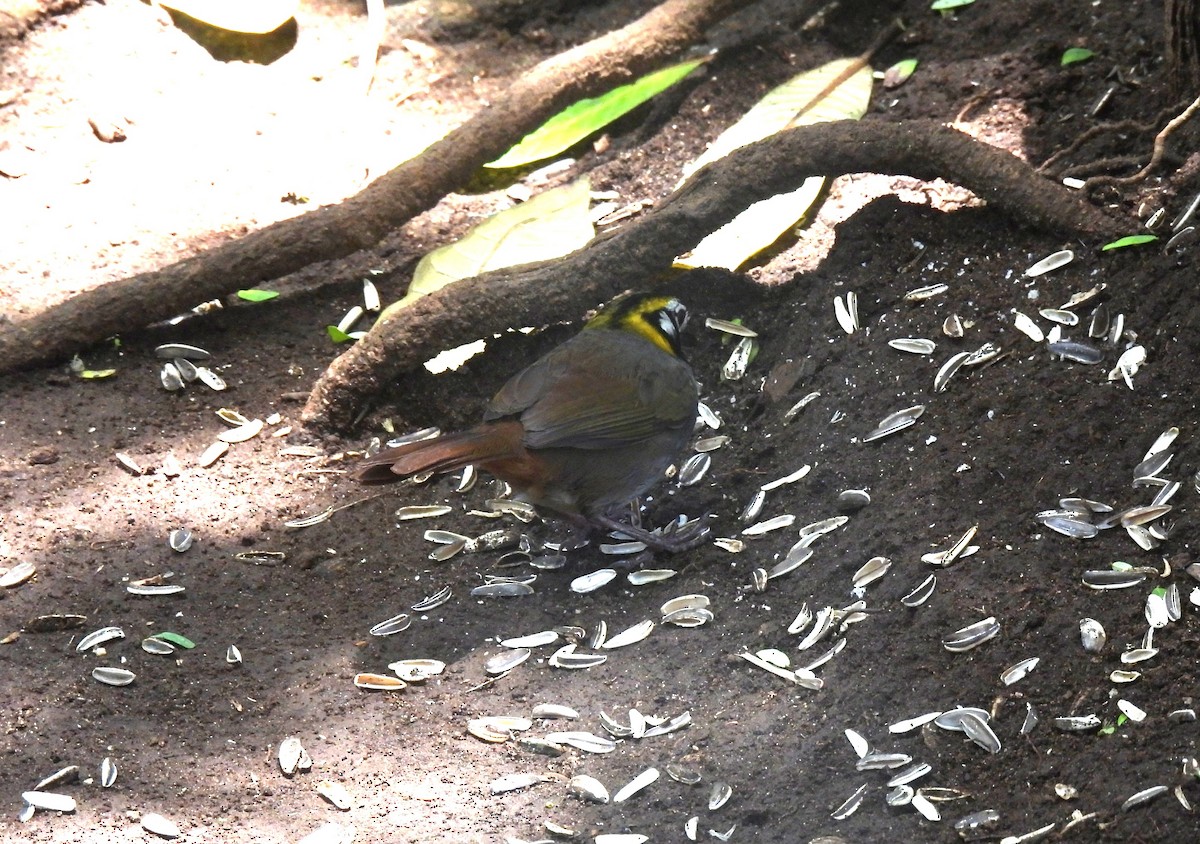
point(392, 200)
point(642, 252)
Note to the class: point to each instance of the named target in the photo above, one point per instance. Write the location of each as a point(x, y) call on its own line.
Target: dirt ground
point(215, 148)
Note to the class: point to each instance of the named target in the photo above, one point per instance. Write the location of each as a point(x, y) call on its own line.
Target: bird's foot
point(673, 539)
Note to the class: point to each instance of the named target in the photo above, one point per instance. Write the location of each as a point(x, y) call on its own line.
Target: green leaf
point(1076, 54)
point(1129, 240)
point(581, 119)
point(1107, 730)
point(336, 334)
point(255, 295)
point(1160, 591)
point(898, 74)
point(552, 224)
point(802, 100)
point(1121, 719)
point(176, 640)
point(96, 374)
point(257, 18)
point(947, 5)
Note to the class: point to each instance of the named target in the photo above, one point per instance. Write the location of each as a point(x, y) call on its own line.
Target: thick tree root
point(636, 255)
point(365, 219)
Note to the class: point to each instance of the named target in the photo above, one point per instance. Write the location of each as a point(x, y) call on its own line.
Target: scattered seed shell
point(156, 824)
point(113, 676)
point(776, 523)
point(1017, 672)
point(108, 772)
point(927, 292)
point(1077, 723)
point(630, 635)
point(378, 682)
point(588, 788)
point(336, 794)
point(921, 593)
point(1028, 327)
point(1144, 796)
point(894, 422)
point(871, 570)
point(1051, 262)
point(157, 646)
point(17, 575)
point(1092, 635)
point(515, 782)
point(850, 806)
point(49, 801)
point(592, 581)
point(913, 345)
point(395, 624)
point(636, 784)
point(719, 795)
point(99, 637)
point(971, 636)
point(978, 731)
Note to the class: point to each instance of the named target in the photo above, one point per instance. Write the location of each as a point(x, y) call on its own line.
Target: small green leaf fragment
point(1121, 719)
point(1160, 591)
point(256, 295)
point(336, 334)
point(577, 121)
point(96, 374)
point(1073, 55)
point(898, 74)
point(1108, 730)
point(1129, 240)
point(176, 640)
point(947, 5)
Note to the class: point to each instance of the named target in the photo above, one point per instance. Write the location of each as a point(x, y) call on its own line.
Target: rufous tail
point(441, 454)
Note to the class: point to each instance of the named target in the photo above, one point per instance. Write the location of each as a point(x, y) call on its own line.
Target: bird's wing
point(599, 392)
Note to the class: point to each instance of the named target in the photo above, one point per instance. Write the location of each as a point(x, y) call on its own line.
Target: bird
point(589, 427)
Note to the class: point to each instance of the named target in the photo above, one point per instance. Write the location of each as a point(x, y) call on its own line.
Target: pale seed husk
point(336, 794)
point(641, 781)
point(630, 636)
point(108, 772)
point(395, 624)
point(593, 580)
point(378, 682)
point(17, 575)
point(99, 637)
point(850, 806)
point(921, 593)
point(1144, 796)
point(158, 825)
point(113, 676)
point(1051, 262)
point(588, 788)
point(504, 662)
point(422, 511)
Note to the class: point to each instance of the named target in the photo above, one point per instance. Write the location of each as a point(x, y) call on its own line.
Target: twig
point(1105, 129)
point(1160, 146)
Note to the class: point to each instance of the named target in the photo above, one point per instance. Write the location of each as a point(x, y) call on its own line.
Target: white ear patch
point(667, 325)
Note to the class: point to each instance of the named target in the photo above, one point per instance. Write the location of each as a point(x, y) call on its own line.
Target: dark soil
point(195, 738)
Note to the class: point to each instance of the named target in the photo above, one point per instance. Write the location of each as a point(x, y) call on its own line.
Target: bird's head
point(659, 319)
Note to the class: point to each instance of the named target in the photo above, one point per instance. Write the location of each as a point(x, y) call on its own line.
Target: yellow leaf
point(803, 100)
point(552, 224)
point(256, 17)
point(801, 96)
